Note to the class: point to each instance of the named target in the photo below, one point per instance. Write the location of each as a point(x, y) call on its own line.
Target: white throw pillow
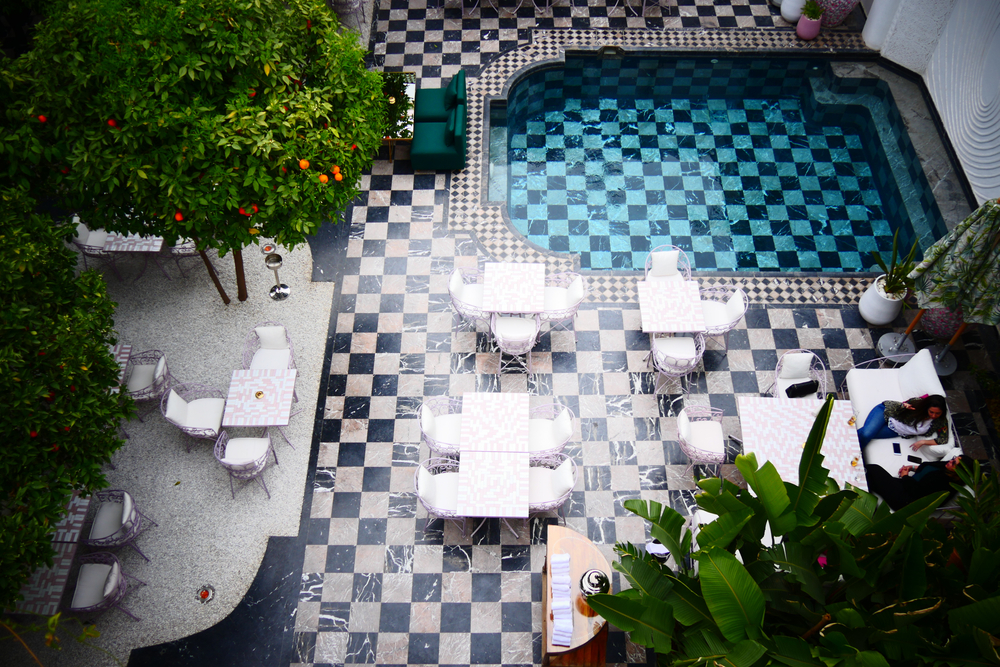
point(796, 365)
point(82, 232)
point(177, 409)
point(272, 337)
point(112, 581)
point(665, 263)
point(563, 426)
point(426, 420)
point(140, 378)
point(161, 367)
point(127, 508)
point(576, 291)
point(562, 478)
point(455, 283)
point(206, 413)
point(426, 486)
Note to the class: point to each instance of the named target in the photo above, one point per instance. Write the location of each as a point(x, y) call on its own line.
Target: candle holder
point(267, 248)
point(280, 291)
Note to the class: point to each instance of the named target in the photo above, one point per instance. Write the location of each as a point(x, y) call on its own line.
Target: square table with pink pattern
point(670, 306)
point(494, 422)
point(513, 287)
point(493, 484)
point(132, 243)
point(775, 429)
point(260, 397)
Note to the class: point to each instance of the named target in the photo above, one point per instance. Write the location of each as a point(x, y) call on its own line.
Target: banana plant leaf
point(794, 652)
point(800, 564)
point(733, 597)
point(688, 603)
point(649, 622)
point(812, 474)
point(770, 491)
point(667, 526)
point(984, 615)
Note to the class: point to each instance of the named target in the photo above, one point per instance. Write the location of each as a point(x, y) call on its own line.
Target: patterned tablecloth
point(493, 484)
point(775, 429)
point(260, 397)
point(494, 422)
point(670, 307)
point(44, 589)
point(514, 287)
point(132, 243)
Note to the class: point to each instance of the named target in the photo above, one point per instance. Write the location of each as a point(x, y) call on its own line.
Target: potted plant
point(810, 21)
point(882, 301)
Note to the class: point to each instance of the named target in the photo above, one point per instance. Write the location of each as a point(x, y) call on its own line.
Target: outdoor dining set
point(107, 247)
point(260, 394)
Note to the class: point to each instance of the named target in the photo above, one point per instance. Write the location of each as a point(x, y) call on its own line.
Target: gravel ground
point(203, 536)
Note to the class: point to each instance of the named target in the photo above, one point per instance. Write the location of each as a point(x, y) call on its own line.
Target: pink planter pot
point(808, 28)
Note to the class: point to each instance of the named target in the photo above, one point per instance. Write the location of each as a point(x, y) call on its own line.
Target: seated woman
point(923, 416)
point(914, 482)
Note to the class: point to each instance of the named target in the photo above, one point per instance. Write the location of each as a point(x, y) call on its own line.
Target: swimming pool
point(746, 164)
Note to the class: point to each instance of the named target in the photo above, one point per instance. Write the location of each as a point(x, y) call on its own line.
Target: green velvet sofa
point(439, 127)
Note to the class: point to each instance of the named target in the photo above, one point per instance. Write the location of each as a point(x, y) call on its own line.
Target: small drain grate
point(205, 594)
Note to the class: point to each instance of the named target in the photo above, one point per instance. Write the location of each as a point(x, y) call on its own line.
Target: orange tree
point(217, 120)
point(59, 422)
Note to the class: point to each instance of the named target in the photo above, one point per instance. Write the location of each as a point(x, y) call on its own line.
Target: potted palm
point(882, 301)
point(810, 21)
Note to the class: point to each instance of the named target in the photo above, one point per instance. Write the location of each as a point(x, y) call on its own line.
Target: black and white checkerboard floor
point(379, 588)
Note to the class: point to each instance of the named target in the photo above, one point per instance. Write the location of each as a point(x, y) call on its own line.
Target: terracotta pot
point(808, 28)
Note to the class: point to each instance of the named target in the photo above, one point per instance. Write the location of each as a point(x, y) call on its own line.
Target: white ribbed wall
point(955, 45)
point(963, 77)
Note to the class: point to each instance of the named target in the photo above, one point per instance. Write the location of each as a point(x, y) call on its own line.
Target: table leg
point(284, 435)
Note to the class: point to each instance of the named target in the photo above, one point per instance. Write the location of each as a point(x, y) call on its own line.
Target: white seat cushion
point(679, 347)
point(141, 377)
point(548, 484)
point(541, 435)
point(708, 436)
point(272, 337)
point(240, 451)
point(735, 306)
point(796, 366)
point(440, 490)
point(514, 328)
point(108, 520)
point(715, 313)
point(206, 413)
point(472, 294)
point(448, 428)
point(268, 358)
point(90, 585)
point(556, 298)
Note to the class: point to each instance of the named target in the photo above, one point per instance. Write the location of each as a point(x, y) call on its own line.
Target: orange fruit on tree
point(336, 169)
point(323, 178)
point(254, 230)
point(303, 164)
point(178, 216)
point(42, 119)
point(338, 177)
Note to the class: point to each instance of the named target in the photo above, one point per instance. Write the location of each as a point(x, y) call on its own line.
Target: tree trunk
point(241, 280)
point(214, 277)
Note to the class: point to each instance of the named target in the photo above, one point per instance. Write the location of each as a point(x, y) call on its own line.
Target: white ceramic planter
point(876, 306)
point(791, 10)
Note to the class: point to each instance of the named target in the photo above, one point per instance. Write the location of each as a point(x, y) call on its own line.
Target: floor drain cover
point(205, 594)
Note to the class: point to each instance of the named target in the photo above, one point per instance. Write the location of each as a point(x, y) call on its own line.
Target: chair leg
point(260, 478)
point(232, 491)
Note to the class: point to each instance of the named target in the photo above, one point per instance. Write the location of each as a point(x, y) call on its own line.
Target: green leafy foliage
point(59, 422)
point(813, 10)
point(398, 105)
point(190, 118)
point(844, 581)
point(897, 272)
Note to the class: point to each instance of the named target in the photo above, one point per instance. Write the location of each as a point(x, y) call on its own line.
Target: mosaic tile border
point(488, 223)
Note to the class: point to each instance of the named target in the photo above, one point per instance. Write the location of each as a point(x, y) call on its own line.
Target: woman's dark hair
point(922, 405)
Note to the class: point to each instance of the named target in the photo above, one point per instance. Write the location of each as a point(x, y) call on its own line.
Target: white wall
point(955, 46)
point(963, 77)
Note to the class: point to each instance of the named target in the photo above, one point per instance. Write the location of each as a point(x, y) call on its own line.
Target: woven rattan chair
point(564, 292)
point(667, 262)
point(441, 424)
point(101, 585)
point(147, 378)
point(118, 521)
point(796, 366)
point(466, 291)
point(245, 458)
point(549, 429)
point(195, 409)
point(436, 485)
point(675, 356)
point(515, 336)
point(723, 307)
point(550, 483)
